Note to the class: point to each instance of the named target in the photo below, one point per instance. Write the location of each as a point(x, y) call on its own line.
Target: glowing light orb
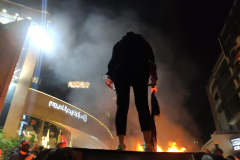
point(40, 38)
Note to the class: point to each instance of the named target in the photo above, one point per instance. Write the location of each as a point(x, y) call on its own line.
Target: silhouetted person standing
point(132, 64)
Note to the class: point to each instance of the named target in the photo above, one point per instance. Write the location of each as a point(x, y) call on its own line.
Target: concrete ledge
point(93, 154)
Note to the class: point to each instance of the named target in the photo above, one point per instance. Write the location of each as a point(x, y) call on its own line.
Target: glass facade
point(7, 16)
point(46, 134)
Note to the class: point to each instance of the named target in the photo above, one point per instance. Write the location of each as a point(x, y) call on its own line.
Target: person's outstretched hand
point(153, 85)
point(154, 89)
point(108, 81)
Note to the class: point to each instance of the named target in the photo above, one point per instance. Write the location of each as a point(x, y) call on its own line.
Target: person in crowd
point(132, 64)
point(230, 157)
point(61, 145)
point(218, 152)
point(62, 138)
point(207, 151)
point(23, 153)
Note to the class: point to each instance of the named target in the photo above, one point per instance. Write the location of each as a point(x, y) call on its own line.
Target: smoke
point(84, 38)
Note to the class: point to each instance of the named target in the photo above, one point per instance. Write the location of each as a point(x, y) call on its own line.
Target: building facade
point(223, 87)
point(29, 112)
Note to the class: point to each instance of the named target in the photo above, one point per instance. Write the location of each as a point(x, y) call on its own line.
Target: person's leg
point(122, 90)
point(140, 87)
point(121, 139)
point(146, 137)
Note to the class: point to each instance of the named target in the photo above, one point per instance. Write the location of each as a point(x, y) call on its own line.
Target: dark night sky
point(193, 26)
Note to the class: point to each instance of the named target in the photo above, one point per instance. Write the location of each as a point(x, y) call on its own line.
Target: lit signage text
point(67, 110)
point(236, 144)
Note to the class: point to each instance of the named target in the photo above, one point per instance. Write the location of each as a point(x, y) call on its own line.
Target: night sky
point(193, 28)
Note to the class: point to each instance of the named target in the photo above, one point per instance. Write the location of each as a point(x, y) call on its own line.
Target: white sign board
point(74, 113)
point(236, 144)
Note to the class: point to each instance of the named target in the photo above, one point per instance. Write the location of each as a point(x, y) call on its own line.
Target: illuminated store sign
point(78, 84)
point(236, 144)
point(67, 110)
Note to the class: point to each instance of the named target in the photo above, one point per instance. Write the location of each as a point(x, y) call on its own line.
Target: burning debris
point(172, 147)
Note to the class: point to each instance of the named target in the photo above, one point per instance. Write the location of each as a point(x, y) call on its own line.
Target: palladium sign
point(67, 110)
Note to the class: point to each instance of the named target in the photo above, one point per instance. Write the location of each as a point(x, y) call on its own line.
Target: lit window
point(78, 84)
point(4, 11)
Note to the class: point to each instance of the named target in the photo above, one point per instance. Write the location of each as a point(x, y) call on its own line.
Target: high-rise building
point(223, 87)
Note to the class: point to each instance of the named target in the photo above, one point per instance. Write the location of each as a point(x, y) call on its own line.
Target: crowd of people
point(27, 153)
point(218, 154)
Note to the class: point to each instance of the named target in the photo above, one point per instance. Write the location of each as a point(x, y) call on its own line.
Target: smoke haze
point(84, 38)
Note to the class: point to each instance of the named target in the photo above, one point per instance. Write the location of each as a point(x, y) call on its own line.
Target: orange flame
point(139, 147)
point(172, 147)
point(159, 149)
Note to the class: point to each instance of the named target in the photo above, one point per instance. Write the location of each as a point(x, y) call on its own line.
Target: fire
point(139, 147)
point(159, 149)
point(172, 147)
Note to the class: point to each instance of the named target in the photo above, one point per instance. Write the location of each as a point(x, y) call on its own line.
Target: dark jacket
point(131, 53)
point(19, 156)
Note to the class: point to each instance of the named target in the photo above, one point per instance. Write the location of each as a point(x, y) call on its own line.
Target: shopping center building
point(223, 87)
point(29, 112)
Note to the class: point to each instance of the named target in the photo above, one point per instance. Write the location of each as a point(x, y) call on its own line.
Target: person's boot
point(147, 147)
point(121, 147)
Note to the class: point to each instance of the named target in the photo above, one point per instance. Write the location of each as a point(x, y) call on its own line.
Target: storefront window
point(46, 134)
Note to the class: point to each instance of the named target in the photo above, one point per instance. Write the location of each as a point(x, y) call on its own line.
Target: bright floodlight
point(16, 14)
point(40, 38)
point(4, 20)
point(4, 10)
point(29, 18)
